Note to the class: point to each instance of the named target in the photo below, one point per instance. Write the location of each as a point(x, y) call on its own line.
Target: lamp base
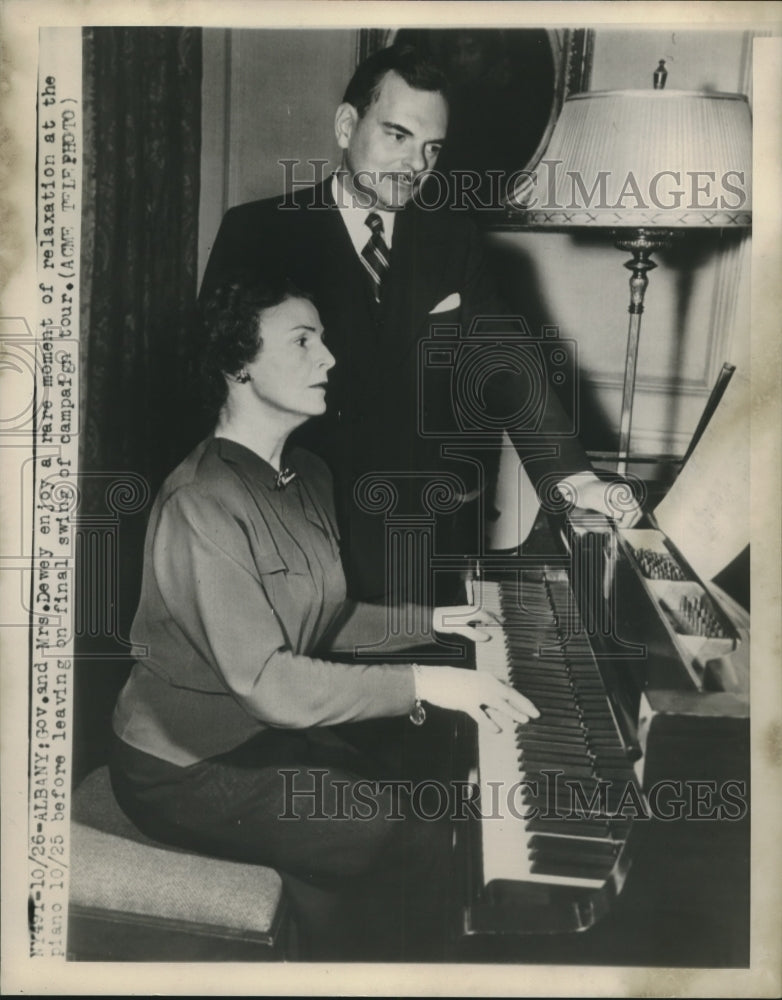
point(641, 243)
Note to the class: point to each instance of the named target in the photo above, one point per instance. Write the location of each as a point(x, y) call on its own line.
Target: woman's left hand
point(468, 620)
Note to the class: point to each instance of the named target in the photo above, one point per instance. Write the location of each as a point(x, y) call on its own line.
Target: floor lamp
point(644, 166)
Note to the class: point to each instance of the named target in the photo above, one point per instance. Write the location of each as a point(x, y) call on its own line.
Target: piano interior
point(615, 828)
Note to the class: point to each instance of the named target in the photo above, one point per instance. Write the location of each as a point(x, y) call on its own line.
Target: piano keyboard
point(543, 652)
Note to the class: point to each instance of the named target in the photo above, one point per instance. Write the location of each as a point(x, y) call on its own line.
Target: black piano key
point(535, 636)
point(601, 726)
point(550, 706)
point(618, 774)
point(609, 751)
point(599, 828)
point(572, 847)
point(541, 679)
point(553, 747)
point(539, 649)
point(611, 770)
point(580, 863)
point(610, 756)
point(571, 770)
point(572, 766)
point(549, 724)
point(568, 869)
point(533, 769)
point(552, 731)
point(530, 665)
point(600, 733)
point(607, 740)
point(555, 720)
point(559, 817)
point(540, 758)
point(557, 712)
point(599, 723)
point(598, 703)
point(558, 720)
point(551, 743)
point(575, 738)
point(563, 801)
point(589, 687)
point(522, 675)
point(544, 690)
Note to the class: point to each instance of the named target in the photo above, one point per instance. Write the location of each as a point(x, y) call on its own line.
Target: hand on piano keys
point(486, 699)
point(613, 499)
point(465, 620)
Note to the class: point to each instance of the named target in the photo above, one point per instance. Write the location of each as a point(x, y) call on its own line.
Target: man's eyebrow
point(406, 131)
point(397, 126)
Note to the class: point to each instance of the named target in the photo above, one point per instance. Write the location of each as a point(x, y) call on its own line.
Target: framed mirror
point(507, 90)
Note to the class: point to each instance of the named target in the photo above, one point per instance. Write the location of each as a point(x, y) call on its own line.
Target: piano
point(615, 828)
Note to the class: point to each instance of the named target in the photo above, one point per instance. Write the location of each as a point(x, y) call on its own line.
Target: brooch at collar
point(284, 476)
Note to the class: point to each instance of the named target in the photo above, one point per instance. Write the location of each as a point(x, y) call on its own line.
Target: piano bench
point(132, 899)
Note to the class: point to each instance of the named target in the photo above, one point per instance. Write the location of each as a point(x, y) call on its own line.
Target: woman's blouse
point(242, 587)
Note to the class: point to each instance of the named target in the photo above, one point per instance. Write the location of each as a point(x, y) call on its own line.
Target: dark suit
point(391, 403)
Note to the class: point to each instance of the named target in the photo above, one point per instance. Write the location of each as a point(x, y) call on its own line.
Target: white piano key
point(504, 846)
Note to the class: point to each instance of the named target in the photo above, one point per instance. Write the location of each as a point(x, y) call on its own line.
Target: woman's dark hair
point(416, 67)
point(231, 328)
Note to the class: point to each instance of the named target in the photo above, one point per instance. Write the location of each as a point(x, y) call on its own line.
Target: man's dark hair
point(231, 328)
point(416, 67)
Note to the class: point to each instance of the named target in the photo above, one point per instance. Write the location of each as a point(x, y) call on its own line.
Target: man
point(410, 480)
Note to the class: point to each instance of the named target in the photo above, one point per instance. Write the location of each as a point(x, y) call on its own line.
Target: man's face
point(397, 140)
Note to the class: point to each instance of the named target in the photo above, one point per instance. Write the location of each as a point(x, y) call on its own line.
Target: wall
point(271, 94)
point(695, 60)
point(267, 96)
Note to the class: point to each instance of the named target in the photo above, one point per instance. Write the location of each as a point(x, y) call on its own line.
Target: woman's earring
point(242, 376)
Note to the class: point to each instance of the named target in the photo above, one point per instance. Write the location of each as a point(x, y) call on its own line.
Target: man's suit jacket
point(396, 399)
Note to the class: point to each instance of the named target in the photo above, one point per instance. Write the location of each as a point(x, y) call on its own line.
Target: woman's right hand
point(480, 695)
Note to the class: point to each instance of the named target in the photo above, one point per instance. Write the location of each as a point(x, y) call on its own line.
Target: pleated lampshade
point(643, 158)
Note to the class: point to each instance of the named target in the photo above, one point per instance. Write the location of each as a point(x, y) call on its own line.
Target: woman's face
point(290, 371)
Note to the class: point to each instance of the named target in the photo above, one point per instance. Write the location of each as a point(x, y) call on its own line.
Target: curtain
point(140, 233)
point(142, 141)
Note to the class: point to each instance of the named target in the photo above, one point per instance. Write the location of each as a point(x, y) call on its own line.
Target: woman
point(222, 732)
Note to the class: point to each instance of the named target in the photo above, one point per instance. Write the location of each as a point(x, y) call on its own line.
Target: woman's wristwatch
point(418, 714)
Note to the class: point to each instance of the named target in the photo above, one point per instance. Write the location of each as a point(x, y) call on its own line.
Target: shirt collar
point(355, 217)
point(256, 471)
point(252, 463)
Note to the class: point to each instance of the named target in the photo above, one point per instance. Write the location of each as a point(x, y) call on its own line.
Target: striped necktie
point(375, 254)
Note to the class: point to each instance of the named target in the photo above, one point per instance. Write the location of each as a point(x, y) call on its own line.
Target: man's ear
point(344, 123)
